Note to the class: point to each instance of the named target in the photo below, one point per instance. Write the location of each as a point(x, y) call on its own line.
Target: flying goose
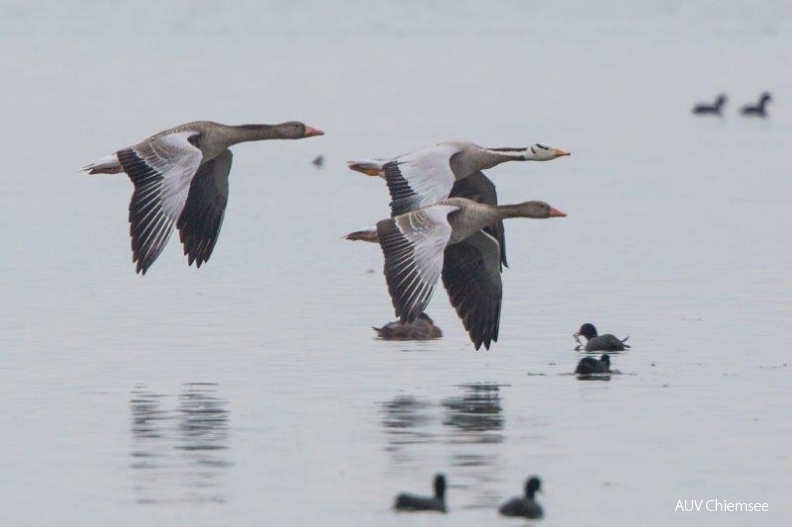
point(447, 238)
point(181, 178)
point(411, 503)
point(525, 506)
point(426, 176)
point(758, 109)
point(595, 342)
point(704, 108)
point(450, 169)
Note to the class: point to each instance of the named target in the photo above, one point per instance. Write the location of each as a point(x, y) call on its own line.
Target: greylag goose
point(589, 365)
point(525, 506)
point(448, 238)
point(422, 329)
point(760, 108)
point(716, 108)
point(411, 502)
point(596, 342)
point(181, 178)
point(450, 169)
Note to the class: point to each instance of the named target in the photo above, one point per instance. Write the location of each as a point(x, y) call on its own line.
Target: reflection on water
point(469, 428)
point(179, 444)
point(477, 415)
point(475, 423)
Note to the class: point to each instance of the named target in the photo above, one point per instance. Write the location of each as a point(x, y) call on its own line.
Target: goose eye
point(543, 147)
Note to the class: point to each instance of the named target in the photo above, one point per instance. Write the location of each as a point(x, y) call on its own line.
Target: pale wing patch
point(413, 247)
point(177, 160)
point(161, 170)
point(421, 178)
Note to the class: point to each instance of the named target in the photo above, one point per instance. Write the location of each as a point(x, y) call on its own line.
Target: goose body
point(447, 239)
point(595, 342)
point(711, 109)
point(422, 329)
point(590, 365)
point(524, 506)
point(759, 109)
point(412, 503)
point(181, 179)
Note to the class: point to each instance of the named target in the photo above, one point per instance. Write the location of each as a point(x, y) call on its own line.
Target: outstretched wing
point(413, 246)
point(200, 221)
point(480, 188)
point(420, 179)
point(471, 275)
point(161, 170)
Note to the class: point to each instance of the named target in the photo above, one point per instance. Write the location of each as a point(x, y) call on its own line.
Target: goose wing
point(480, 188)
point(200, 221)
point(161, 170)
point(413, 246)
point(471, 275)
point(420, 179)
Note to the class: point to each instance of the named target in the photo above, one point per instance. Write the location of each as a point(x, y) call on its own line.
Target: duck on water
point(595, 342)
point(413, 503)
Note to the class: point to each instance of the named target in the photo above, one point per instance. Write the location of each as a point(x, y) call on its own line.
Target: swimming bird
point(525, 506)
point(412, 503)
point(448, 238)
point(596, 342)
point(422, 329)
point(450, 169)
point(760, 108)
point(589, 365)
point(181, 178)
point(704, 108)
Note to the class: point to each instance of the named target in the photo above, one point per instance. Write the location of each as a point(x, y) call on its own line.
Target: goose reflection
point(179, 444)
point(464, 431)
point(476, 415)
point(406, 421)
point(475, 422)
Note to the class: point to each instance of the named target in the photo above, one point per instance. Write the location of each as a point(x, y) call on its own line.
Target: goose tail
point(107, 165)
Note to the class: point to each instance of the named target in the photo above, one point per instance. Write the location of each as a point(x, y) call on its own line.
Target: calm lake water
point(252, 391)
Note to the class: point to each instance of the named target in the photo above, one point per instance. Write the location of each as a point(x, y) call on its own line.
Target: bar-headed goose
point(450, 169)
point(426, 176)
point(447, 238)
point(181, 178)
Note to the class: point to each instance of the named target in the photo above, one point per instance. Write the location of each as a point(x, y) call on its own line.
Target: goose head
point(720, 100)
point(295, 130)
point(543, 152)
point(535, 152)
point(538, 209)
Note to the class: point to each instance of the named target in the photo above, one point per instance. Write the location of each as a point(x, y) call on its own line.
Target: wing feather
point(200, 221)
point(413, 246)
point(471, 275)
point(420, 179)
point(161, 170)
